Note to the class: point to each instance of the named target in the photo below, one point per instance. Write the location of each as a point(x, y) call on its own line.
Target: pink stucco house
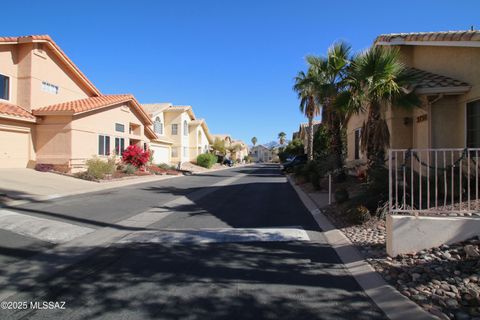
point(50, 112)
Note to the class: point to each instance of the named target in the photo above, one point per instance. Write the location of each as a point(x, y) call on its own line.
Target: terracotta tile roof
point(431, 36)
point(426, 82)
point(89, 104)
point(15, 111)
point(56, 49)
point(154, 108)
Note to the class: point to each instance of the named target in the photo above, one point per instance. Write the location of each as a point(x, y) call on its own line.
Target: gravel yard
point(443, 281)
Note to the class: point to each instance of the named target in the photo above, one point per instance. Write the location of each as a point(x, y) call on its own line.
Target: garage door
point(160, 154)
point(14, 147)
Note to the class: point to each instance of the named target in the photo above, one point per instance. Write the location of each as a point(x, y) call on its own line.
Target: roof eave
point(403, 42)
point(17, 118)
point(443, 90)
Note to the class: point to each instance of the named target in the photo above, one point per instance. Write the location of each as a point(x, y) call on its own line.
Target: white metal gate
point(433, 181)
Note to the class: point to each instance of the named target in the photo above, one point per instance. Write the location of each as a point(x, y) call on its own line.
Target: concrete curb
point(395, 305)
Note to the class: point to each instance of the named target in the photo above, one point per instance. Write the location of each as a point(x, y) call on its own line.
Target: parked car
point(295, 162)
point(228, 162)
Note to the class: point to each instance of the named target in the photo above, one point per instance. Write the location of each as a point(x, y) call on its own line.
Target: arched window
point(158, 126)
point(185, 128)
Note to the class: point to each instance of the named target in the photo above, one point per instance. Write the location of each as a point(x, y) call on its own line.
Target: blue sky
point(233, 61)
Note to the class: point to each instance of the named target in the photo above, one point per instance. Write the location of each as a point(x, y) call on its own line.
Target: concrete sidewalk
point(18, 186)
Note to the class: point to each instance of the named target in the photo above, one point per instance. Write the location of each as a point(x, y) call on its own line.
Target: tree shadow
point(257, 280)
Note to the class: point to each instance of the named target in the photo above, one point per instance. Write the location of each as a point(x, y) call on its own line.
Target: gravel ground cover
point(443, 280)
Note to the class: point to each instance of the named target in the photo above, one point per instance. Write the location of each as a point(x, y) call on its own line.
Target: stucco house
point(447, 68)
point(50, 112)
point(177, 131)
point(260, 153)
point(242, 149)
point(302, 132)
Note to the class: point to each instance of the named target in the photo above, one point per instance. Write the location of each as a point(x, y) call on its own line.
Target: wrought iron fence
point(434, 181)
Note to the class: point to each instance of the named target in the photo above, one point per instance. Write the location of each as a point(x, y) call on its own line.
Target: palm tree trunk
point(310, 138)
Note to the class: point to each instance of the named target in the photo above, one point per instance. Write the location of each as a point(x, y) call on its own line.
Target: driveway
point(236, 244)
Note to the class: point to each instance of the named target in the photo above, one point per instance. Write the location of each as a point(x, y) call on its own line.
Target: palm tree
point(378, 80)
point(254, 141)
point(330, 73)
point(281, 137)
point(305, 88)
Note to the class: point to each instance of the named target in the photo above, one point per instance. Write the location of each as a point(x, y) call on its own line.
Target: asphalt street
point(232, 255)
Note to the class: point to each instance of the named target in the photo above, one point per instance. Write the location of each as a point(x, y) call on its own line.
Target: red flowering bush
point(135, 156)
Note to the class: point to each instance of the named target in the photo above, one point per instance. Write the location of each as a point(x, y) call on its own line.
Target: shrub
point(135, 156)
point(166, 166)
point(359, 214)
point(129, 169)
point(97, 168)
point(206, 160)
point(341, 195)
point(44, 167)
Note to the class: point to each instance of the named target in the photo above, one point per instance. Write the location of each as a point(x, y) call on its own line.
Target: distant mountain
point(274, 144)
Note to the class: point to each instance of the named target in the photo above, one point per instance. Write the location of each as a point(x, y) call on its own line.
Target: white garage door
point(14, 148)
point(160, 154)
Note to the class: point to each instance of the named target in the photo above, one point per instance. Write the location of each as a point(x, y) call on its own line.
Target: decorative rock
point(452, 303)
point(471, 251)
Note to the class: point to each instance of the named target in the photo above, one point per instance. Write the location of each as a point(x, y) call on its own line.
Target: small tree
point(281, 137)
point(219, 146)
point(135, 156)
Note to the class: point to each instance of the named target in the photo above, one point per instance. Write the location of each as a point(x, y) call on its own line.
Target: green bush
point(129, 169)
point(206, 160)
point(166, 166)
point(97, 168)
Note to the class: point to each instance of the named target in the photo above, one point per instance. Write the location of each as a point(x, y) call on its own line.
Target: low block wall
point(409, 234)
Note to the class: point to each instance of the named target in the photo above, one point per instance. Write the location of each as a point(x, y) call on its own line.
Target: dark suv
point(296, 161)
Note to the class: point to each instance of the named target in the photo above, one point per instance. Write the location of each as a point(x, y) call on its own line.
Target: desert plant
point(44, 167)
point(97, 168)
point(129, 169)
point(206, 160)
point(135, 156)
point(166, 166)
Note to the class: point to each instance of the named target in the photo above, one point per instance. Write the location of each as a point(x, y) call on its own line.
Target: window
point(50, 88)
point(174, 152)
point(119, 127)
point(119, 146)
point(174, 129)
point(185, 151)
point(473, 124)
point(158, 126)
point(4, 87)
point(185, 128)
point(103, 145)
point(358, 140)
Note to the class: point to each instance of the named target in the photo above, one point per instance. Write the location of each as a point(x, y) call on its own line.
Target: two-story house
point(178, 131)
point(50, 112)
point(447, 70)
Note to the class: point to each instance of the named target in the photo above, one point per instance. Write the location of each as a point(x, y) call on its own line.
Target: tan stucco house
point(447, 68)
point(50, 112)
point(242, 150)
point(177, 130)
point(302, 132)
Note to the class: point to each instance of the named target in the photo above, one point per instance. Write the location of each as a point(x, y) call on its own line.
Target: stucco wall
point(54, 140)
point(28, 65)
point(47, 67)
point(8, 67)
point(86, 128)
